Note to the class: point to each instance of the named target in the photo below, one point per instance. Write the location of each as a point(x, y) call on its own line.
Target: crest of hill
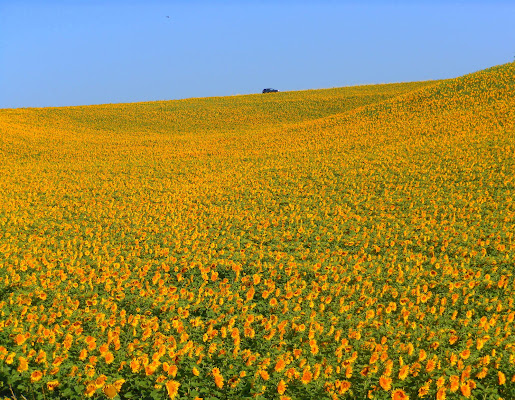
point(477, 103)
point(190, 126)
point(196, 115)
point(241, 126)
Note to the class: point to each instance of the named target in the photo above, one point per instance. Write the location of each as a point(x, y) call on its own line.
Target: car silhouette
point(269, 90)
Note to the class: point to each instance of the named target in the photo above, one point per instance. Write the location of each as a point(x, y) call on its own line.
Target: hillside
point(343, 242)
point(192, 122)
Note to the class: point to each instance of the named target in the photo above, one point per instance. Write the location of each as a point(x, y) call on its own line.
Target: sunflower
point(385, 382)
point(23, 365)
point(306, 376)
point(399, 394)
point(455, 382)
point(36, 376)
point(403, 372)
point(172, 387)
point(502, 378)
point(110, 391)
point(465, 389)
point(281, 387)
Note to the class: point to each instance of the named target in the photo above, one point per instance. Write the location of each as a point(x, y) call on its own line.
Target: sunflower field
point(349, 243)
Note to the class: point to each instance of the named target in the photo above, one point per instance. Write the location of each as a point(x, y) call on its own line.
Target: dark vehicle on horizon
point(270, 90)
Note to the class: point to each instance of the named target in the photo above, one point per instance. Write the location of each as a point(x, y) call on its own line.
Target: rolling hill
point(337, 243)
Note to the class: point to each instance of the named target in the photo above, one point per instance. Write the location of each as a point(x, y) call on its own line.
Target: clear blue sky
point(59, 53)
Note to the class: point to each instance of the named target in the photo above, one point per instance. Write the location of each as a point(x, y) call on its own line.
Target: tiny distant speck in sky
point(61, 53)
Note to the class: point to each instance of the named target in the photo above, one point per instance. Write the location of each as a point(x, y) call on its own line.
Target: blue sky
point(61, 53)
